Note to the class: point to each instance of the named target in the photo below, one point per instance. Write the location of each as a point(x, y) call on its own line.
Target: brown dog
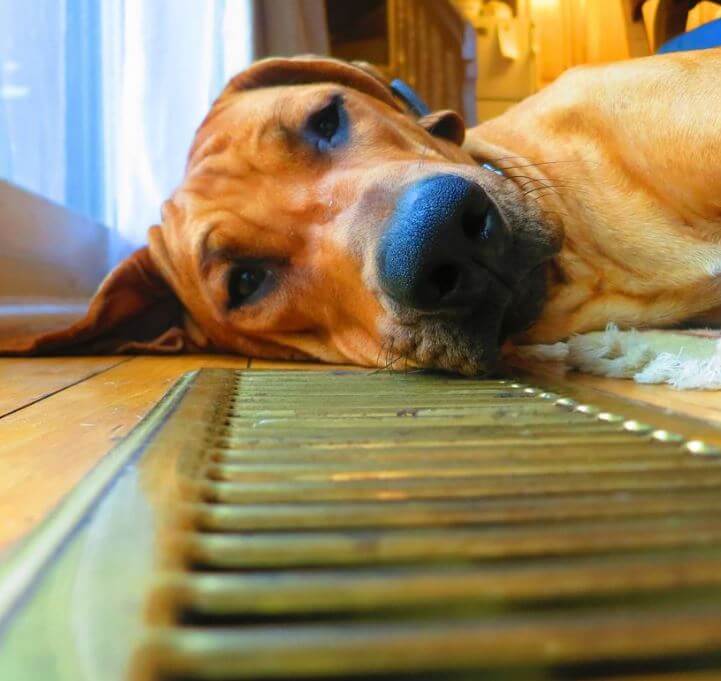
point(317, 219)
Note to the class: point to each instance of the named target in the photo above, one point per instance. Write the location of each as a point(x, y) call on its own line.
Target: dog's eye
point(328, 127)
point(243, 283)
point(325, 123)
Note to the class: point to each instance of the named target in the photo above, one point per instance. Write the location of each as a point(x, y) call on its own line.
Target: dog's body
point(634, 152)
point(318, 220)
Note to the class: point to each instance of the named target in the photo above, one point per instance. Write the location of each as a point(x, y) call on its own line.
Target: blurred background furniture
point(427, 43)
point(482, 56)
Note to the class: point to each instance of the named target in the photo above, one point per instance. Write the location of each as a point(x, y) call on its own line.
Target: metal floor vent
point(304, 525)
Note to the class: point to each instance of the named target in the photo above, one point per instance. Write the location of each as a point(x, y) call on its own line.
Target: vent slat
point(321, 473)
point(619, 449)
point(240, 448)
point(246, 517)
point(226, 551)
point(369, 590)
point(467, 488)
point(355, 649)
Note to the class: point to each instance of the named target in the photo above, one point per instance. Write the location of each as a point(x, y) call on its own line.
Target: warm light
point(545, 4)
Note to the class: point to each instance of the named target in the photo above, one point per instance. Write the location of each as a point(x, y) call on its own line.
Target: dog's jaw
point(471, 344)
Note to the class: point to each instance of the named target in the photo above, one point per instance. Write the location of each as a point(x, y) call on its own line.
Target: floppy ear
point(134, 310)
point(311, 69)
point(445, 124)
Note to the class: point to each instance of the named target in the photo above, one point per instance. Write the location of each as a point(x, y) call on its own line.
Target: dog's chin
point(467, 344)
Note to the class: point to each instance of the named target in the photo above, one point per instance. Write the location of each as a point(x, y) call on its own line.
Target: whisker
point(538, 197)
point(390, 353)
point(388, 362)
point(561, 186)
point(378, 358)
point(535, 165)
point(394, 361)
point(529, 180)
point(507, 178)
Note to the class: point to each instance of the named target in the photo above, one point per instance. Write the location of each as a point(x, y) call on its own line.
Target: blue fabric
point(701, 38)
point(405, 92)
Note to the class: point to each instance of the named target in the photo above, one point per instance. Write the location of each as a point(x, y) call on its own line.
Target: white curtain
point(33, 89)
point(287, 27)
point(99, 99)
point(164, 61)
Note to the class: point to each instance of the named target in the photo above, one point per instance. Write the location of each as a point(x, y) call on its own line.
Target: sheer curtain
point(99, 99)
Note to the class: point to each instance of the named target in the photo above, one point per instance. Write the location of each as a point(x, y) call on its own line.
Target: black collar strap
point(417, 106)
point(409, 97)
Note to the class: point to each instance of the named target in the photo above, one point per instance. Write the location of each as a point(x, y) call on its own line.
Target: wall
point(46, 250)
point(523, 45)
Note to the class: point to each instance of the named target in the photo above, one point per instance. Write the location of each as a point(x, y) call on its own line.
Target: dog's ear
point(445, 124)
point(359, 75)
point(311, 69)
point(134, 310)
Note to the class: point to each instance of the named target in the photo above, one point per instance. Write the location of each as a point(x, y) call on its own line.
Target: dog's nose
point(442, 241)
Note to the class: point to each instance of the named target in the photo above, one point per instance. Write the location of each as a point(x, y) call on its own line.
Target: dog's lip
point(500, 279)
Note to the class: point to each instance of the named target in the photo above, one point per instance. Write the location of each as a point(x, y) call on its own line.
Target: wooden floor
point(58, 417)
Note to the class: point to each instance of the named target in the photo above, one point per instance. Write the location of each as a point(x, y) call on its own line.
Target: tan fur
point(619, 163)
point(632, 153)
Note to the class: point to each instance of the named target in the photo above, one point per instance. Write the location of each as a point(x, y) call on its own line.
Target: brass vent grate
point(343, 525)
point(338, 525)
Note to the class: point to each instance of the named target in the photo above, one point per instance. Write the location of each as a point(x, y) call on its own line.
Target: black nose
point(442, 242)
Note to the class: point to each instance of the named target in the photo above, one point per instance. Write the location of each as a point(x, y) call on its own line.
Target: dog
point(321, 218)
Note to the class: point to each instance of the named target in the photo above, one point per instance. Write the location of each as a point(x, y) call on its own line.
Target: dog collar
point(412, 100)
point(492, 168)
point(409, 97)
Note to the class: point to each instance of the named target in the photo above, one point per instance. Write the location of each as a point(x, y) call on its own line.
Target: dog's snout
point(441, 244)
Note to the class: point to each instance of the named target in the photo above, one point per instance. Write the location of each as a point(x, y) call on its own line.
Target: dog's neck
point(627, 255)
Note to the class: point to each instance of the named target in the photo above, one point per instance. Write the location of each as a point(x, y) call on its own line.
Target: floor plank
point(47, 447)
point(29, 379)
point(701, 404)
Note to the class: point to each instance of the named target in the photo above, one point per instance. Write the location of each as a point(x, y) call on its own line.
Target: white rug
point(686, 360)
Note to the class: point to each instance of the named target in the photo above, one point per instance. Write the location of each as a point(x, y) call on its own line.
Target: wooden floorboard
point(27, 380)
point(701, 404)
point(48, 446)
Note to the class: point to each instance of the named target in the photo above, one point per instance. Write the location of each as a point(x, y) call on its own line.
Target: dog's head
point(318, 219)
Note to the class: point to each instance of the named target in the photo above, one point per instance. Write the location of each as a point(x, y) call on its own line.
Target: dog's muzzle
point(444, 247)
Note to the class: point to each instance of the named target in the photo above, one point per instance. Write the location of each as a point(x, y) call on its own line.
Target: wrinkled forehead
point(237, 184)
point(257, 118)
point(255, 107)
point(247, 118)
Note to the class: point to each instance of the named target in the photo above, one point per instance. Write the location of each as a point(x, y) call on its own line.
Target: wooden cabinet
point(480, 57)
point(427, 43)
